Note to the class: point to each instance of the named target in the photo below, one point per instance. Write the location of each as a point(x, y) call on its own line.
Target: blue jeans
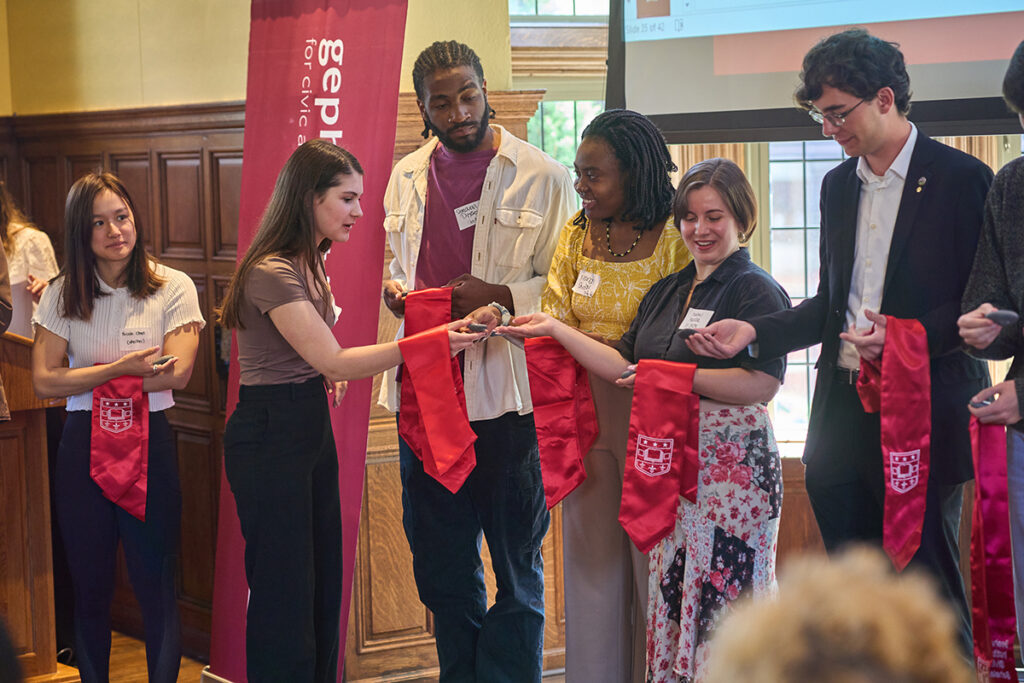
point(502, 500)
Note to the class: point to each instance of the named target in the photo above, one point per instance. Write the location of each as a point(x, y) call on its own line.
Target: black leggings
point(91, 525)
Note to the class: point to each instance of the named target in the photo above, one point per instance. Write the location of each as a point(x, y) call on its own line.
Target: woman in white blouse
point(30, 261)
point(130, 329)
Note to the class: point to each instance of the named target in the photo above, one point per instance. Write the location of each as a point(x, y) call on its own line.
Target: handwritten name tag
point(695, 319)
point(466, 215)
point(134, 339)
point(586, 283)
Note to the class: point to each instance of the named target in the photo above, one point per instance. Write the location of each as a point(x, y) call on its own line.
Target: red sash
point(900, 389)
point(433, 418)
point(992, 609)
point(119, 447)
point(563, 411)
point(661, 457)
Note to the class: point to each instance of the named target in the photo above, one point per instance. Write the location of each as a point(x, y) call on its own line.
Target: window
point(559, 8)
point(556, 127)
point(795, 172)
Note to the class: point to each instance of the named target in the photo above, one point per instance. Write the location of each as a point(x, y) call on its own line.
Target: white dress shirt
point(876, 219)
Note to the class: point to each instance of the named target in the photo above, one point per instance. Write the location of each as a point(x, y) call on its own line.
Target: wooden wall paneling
point(44, 192)
point(197, 395)
point(15, 566)
point(135, 171)
point(221, 340)
point(198, 465)
point(226, 189)
point(181, 221)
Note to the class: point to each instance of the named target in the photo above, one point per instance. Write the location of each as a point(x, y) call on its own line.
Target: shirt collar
point(737, 261)
point(899, 166)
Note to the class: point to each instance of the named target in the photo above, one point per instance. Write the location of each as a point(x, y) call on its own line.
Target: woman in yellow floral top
point(608, 256)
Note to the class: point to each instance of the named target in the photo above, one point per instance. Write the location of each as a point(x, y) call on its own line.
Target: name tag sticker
point(586, 283)
point(134, 339)
point(466, 215)
point(696, 318)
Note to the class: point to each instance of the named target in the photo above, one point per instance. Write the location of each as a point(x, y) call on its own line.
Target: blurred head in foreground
point(845, 620)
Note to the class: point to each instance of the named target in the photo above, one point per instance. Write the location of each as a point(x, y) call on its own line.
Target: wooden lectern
point(26, 576)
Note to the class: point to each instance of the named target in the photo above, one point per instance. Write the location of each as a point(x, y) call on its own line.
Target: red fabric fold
point(119, 445)
point(661, 457)
point(900, 390)
point(992, 610)
point(564, 414)
point(433, 419)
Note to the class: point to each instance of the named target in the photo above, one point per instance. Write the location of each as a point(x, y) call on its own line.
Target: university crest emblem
point(904, 470)
point(653, 456)
point(115, 414)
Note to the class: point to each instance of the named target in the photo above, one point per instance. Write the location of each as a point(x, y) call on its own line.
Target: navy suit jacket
point(930, 258)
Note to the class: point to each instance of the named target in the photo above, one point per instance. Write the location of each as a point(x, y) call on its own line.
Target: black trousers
point(281, 462)
point(850, 508)
point(91, 526)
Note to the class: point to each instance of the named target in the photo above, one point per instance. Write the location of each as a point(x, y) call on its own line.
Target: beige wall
point(78, 55)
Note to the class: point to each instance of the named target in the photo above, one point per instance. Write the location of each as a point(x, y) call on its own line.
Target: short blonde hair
point(849, 620)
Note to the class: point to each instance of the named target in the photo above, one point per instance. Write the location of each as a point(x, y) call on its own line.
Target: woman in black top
point(723, 546)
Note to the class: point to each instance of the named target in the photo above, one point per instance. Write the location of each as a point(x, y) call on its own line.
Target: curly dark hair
point(855, 62)
point(645, 161)
point(1013, 81)
point(443, 54)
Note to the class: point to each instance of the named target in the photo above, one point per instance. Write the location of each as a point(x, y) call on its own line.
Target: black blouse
point(738, 289)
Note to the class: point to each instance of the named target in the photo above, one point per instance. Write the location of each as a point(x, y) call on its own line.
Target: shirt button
point(873, 226)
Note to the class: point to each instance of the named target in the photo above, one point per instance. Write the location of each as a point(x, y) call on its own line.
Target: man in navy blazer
point(900, 222)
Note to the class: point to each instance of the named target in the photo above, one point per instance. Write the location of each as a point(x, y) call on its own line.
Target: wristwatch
point(506, 317)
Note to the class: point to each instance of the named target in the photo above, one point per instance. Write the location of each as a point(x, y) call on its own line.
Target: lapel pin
point(920, 183)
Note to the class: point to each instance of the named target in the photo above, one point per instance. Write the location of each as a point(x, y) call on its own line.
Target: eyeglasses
point(836, 119)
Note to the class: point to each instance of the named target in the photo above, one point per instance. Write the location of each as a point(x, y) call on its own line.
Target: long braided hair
point(441, 55)
point(644, 159)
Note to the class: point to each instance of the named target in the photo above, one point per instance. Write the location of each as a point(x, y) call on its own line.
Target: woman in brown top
point(279, 452)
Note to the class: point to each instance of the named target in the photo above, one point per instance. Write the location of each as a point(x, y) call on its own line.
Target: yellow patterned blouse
point(617, 288)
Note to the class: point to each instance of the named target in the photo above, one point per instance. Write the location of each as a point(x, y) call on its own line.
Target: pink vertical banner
point(317, 69)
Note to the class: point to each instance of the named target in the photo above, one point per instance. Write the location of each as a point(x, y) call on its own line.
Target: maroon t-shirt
point(454, 184)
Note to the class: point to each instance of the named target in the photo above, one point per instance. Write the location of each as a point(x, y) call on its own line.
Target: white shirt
point(31, 252)
point(527, 197)
point(876, 219)
point(120, 323)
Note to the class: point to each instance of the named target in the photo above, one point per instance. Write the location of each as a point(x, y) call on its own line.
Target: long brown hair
point(81, 286)
point(288, 226)
point(10, 217)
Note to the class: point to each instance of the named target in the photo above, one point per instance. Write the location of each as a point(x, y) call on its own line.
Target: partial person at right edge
point(997, 283)
point(899, 227)
point(479, 210)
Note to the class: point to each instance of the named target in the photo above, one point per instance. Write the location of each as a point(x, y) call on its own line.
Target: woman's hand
point(140, 363)
point(336, 389)
point(35, 287)
point(460, 341)
point(628, 378)
point(530, 325)
point(976, 330)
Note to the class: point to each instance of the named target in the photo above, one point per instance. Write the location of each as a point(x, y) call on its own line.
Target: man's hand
point(486, 315)
point(470, 293)
point(394, 297)
point(869, 342)
point(722, 339)
point(976, 330)
point(1005, 410)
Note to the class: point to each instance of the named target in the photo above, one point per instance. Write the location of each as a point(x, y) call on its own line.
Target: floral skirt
point(722, 548)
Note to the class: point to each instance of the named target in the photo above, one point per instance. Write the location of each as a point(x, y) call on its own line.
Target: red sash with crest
point(433, 418)
point(661, 456)
point(564, 414)
point(899, 388)
point(992, 610)
point(119, 446)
